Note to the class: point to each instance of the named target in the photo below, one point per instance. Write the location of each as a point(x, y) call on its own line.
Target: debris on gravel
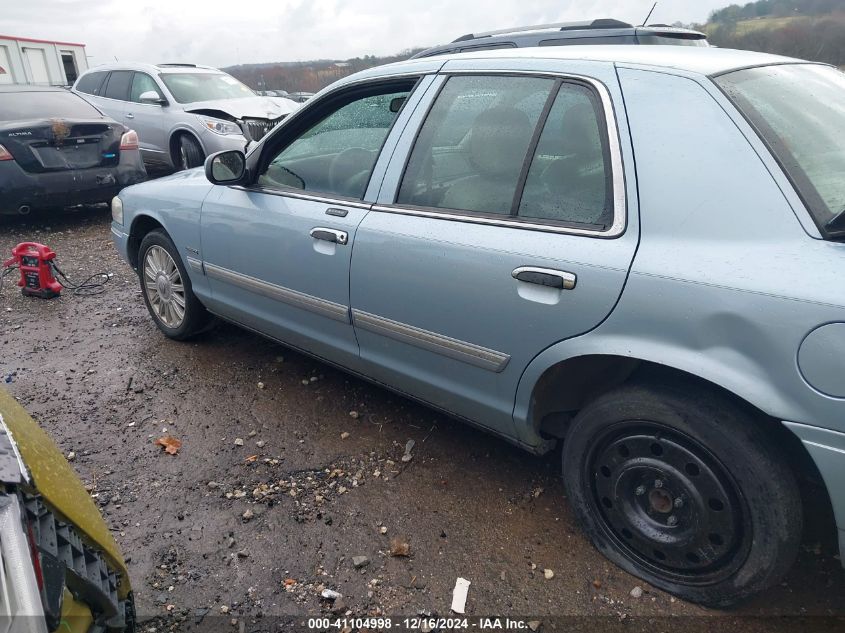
point(360, 561)
point(399, 546)
point(331, 594)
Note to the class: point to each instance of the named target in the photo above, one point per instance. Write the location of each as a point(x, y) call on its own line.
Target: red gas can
point(37, 279)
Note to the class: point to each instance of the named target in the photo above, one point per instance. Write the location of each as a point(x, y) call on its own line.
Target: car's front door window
point(142, 83)
point(336, 153)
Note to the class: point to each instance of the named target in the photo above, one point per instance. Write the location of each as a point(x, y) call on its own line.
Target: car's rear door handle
point(330, 235)
point(130, 116)
point(545, 277)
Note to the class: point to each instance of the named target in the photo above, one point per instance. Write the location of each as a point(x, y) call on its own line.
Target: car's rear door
point(503, 225)
point(276, 254)
point(113, 94)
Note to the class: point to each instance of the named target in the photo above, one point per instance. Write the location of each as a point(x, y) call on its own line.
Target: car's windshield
point(16, 106)
point(191, 87)
point(799, 111)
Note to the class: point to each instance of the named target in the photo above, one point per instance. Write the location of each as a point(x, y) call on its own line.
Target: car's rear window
point(91, 83)
point(19, 106)
point(799, 111)
point(668, 39)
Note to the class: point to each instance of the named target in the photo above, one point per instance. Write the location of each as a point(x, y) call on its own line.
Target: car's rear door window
point(530, 148)
point(569, 176)
point(471, 149)
point(118, 85)
point(337, 148)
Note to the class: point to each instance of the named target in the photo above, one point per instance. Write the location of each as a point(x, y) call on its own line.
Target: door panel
point(437, 306)
point(277, 253)
point(147, 119)
point(266, 271)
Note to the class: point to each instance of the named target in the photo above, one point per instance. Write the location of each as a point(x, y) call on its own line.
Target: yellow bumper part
point(76, 616)
point(58, 484)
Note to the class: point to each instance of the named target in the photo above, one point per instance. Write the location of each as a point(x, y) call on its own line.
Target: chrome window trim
point(330, 91)
point(323, 307)
point(620, 206)
point(455, 349)
point(293, 193)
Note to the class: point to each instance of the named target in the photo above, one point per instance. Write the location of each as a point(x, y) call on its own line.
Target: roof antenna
point(649, 15)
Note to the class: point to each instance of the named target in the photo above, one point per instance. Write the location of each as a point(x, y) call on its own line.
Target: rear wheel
point(681, 487)
point(167, 288)
point(189, 153)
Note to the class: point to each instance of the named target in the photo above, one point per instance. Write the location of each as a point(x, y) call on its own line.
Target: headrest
point(498, 140)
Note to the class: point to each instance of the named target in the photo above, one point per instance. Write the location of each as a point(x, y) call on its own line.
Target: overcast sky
point(226, 33)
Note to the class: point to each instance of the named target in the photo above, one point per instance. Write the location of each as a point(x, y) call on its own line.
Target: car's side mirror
point(226, 168)
point(152, 97)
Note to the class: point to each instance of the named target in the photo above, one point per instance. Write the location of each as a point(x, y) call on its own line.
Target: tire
point(166, 288)
point(189, 154)
point(634, 452)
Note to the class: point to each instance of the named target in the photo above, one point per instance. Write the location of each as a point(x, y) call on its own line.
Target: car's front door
point(147, 119)
point(277, 252)
point(501, 229)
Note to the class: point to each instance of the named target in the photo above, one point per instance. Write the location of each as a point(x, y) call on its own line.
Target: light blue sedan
point(635, 250)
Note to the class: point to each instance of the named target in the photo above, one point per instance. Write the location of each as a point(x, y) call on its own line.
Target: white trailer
point(25, 60)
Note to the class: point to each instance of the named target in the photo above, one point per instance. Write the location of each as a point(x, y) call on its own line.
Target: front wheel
point(167, 288)
point(681, 487)
point(190, 153)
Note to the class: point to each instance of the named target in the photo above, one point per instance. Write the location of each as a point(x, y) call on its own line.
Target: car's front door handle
point(545, 277)
point(330, 235)
point(130, 116)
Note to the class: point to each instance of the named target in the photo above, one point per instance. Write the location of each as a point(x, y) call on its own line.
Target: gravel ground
point(290, 469)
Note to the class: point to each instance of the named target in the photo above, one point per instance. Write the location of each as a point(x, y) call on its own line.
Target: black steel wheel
point(682, 487)
point(667, 501)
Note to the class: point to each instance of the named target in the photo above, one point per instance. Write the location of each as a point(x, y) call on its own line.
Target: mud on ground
point(289, 468)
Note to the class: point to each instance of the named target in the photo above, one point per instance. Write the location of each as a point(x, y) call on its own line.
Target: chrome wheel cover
point(164, 287)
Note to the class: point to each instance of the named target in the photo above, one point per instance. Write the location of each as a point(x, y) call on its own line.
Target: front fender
point(174, 202)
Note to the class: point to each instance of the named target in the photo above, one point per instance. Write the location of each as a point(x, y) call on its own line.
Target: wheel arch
point(564, 386)
point(142, 224)
point(173, 140)
point(582, 367)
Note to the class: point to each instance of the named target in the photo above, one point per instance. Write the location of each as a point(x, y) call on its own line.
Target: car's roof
point(703, 60)
point(559, 33)
point(31, 88)
point(154, 68)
